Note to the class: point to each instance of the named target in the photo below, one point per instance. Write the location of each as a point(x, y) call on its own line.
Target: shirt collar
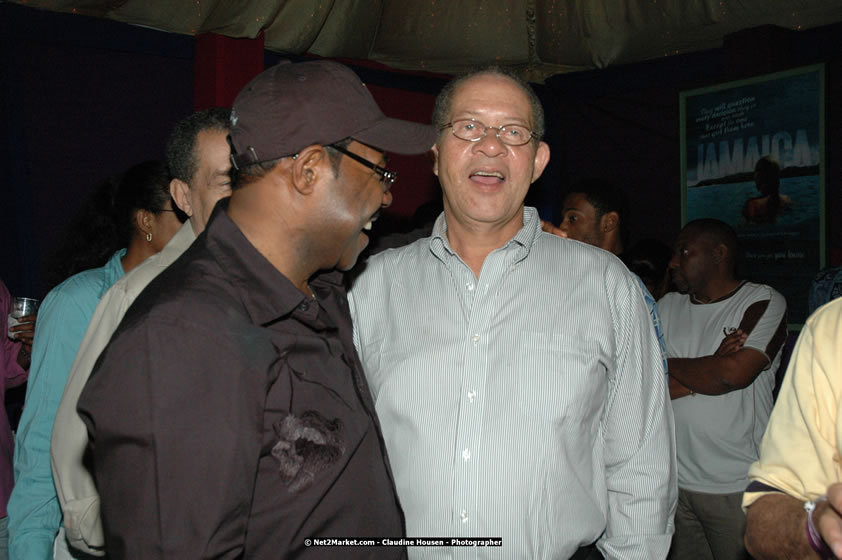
point(114, 267)
point(184, 237)
point(267, 294)
point(521, 243)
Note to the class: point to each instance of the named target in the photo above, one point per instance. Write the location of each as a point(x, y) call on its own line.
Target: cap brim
point(398, 136)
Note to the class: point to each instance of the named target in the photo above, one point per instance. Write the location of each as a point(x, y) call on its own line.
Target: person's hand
point(731, 343)
point(24, 332)
point(550, 228)
point(828, 519)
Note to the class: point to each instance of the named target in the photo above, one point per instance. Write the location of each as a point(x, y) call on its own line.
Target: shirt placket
point(479, 297)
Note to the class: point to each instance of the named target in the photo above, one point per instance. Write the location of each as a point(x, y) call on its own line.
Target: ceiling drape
point(539, 37)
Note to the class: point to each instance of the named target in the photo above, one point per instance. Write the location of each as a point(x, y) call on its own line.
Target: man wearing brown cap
point(229, 416)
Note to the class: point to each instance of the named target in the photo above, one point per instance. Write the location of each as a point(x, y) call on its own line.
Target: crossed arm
point(730, 368)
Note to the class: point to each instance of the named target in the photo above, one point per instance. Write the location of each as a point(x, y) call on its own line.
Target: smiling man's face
point(485, 182)
point(357, 196)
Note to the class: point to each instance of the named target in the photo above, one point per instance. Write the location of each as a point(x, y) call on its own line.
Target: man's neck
point(196, 225)
point(282, 244)
point(473, 242)
point(717, 291)
point(613, 245)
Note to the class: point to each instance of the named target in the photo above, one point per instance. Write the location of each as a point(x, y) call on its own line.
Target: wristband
point(813, 537)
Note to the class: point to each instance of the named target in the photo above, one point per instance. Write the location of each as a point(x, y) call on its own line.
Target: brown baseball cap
point(291, 106)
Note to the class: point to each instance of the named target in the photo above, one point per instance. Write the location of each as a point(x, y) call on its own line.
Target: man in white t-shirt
point(721, 385)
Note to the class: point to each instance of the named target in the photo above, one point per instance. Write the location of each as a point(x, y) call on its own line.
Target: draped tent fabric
point(539, 37)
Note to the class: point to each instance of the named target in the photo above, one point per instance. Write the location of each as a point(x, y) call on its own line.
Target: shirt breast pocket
point(559, 376)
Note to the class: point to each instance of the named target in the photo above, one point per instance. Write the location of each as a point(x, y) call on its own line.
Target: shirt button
point(463, 515)
point(472, 395)
point(466, 455)
point(469, 286)
point(303, 306)
point(475, 338)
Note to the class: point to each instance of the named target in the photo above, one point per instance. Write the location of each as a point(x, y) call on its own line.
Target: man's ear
point(542, 158)
point(610, 221)
point(308, 166)
point(180, 193)
point(436, 159)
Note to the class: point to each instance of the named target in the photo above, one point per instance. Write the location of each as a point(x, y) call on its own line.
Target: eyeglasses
point(386, 177)
point(473, 131)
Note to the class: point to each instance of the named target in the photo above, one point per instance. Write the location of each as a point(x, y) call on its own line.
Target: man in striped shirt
point(512, 370)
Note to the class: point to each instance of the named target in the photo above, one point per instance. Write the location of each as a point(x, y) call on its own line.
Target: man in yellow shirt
point(794, 499)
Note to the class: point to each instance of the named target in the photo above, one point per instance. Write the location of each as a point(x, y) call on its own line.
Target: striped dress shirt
point(528, 404)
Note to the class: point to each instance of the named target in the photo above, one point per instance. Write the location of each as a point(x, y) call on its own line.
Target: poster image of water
point(776, 208)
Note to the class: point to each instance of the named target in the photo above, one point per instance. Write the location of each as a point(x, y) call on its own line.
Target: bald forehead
point(489, 76)
point(493, 79)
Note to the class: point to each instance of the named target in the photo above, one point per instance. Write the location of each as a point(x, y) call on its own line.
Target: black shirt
point(229, 416)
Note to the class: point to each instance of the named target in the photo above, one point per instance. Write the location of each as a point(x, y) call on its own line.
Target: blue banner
point(753, 156)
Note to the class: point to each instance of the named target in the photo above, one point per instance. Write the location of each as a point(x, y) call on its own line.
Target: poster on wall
point(752, 155)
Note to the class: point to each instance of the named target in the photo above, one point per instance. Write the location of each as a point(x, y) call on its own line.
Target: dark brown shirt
point(229, 416)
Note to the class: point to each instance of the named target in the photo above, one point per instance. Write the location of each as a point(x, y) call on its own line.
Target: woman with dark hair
point(107, 222)
point(127, 219)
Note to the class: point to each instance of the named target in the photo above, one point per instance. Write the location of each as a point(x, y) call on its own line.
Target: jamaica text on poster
point(726, 131)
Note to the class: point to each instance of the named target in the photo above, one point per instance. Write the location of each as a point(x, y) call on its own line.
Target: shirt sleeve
point(175, 422)
point(34, 513)
point(799, 451)
point(655, 316)
point(766, 332)
point(639, 435)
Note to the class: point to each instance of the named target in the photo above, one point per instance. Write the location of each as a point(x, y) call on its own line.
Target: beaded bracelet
point(813, 537)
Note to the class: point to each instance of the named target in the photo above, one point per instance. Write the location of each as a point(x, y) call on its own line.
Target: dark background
point(83, 98)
